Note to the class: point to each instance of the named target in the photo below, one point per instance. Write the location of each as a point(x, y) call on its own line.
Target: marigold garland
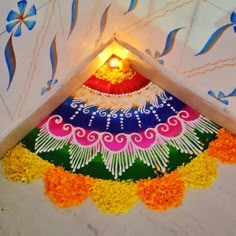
point(162, 193)
point(20, 164)
point(200, 172)
point(66, 189)
point(114, 197)
point(114, 75)
point(224, 147)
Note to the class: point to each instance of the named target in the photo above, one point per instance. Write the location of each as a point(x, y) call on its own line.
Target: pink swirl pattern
point(173, 128)
point(58, 128)
point(114, 142)
point(144, 139)
point(188, 114)
point(85, 137)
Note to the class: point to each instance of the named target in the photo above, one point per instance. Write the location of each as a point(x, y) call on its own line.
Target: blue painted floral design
point(132, 5)
point(16, 19)
point(216, 35)
point(155, 56)
point(74, 15)
point(170, 40)
point(50, 84)
point(221, 96)
point(233, 19)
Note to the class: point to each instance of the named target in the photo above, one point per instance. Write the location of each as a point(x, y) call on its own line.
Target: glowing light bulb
point(114, 62)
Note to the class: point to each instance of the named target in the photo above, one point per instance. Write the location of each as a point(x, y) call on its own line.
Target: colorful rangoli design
point(119, 135)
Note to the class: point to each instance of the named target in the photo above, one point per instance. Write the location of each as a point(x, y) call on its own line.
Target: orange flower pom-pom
point(162, 193)
point(66, 189)
point(224, 147)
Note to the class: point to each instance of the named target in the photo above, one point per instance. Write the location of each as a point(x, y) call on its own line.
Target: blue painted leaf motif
point(13, 15)
point(213, 39)
point(132, 5)
point(18, 30)
point(170, 41)
point(74, 15)
point(233, 17)
point(157, 54)
point(221, 95)
point(10, 26)
point(52, 82)
point(32, 12)
point(103, 21)
point(10, 60)
point(49, 83)
point(226, 102)
point(29, 24)
point(53, 56)
point(21, 6)
point(234, 29)
point(233, 93)
point(43, 91)
point(211, 93)
point(148, 51)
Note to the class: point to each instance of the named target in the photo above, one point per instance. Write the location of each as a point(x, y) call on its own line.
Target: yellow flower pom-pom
point(114, 197)
point(200, 172)
point(20, 164)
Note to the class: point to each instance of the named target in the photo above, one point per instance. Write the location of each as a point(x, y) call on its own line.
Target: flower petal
point(32, 12)
point(29, 24)
point(21, 6)
point(43, 91)
point(13, 15)
point(233, 17)
point(10, 26)
point(18, 31)
point(157, 55)
point(148, 51)
point(221, 95)
point(226, 102)
point(223, 148)
point(21, 165)
point(211, 93)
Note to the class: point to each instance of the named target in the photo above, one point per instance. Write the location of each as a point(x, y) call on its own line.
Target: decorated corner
point(120, 139)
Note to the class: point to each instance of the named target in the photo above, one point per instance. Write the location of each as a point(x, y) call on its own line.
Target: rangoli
point(119, 139)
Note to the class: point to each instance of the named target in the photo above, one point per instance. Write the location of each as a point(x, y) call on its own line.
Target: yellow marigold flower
point(114, 75)
point(224, 147)
point(200, 172)
point(162, 193)
point(113, 196)
point(20, 164)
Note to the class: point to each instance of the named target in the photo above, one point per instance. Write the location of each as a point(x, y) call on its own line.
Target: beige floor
point(25, 211)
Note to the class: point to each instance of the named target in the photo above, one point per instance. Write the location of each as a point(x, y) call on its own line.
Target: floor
point(25, 211)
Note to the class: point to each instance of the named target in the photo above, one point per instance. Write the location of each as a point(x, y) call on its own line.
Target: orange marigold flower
point(224, 147)
point(66, 189)
point(162, 193)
